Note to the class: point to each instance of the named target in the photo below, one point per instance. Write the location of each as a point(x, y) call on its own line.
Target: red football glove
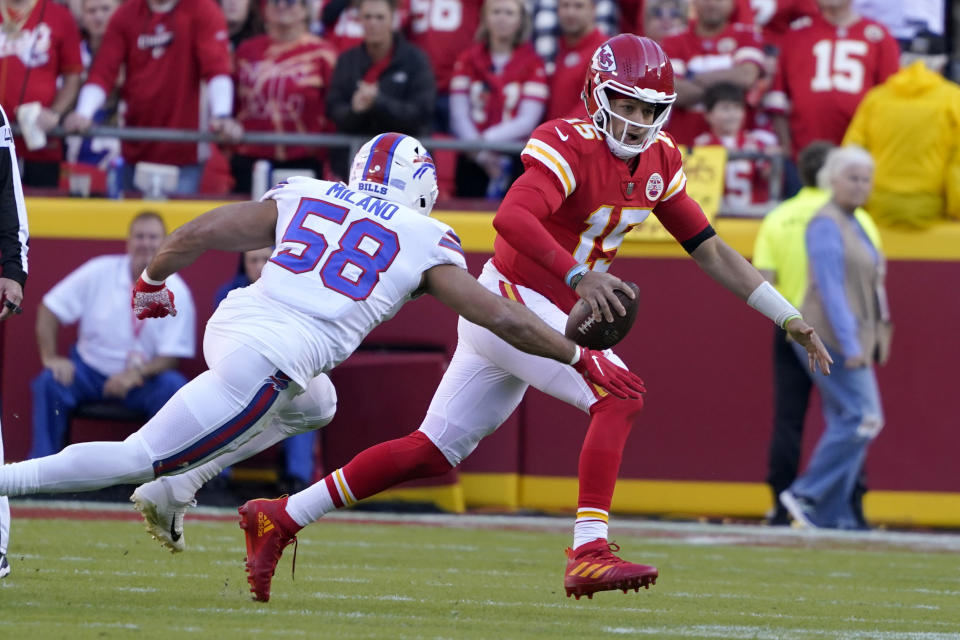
point(152, 300)
point(596, 368)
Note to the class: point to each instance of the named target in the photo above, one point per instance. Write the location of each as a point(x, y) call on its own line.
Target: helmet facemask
point(604, 117)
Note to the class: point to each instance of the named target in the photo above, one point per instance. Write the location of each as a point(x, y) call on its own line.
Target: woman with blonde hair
point(847, 302)
point(498, 94)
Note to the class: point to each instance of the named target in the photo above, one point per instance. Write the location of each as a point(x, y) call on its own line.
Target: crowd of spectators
point(478, 70)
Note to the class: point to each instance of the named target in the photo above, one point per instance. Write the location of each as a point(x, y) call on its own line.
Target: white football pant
point(487, 377)
point(237, 399)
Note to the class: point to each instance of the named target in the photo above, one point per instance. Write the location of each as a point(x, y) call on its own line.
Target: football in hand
point(588, 332)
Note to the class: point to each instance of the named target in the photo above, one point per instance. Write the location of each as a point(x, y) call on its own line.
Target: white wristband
point(576, 355)
point(770, 303)
point(149, 280)
point(220, 92)
point(91, 98)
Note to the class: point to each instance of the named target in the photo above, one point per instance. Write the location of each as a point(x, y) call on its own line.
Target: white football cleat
point(162, 515)
point(4, 566)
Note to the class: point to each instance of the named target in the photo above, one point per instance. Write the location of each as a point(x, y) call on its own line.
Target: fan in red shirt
point(39, 43)
point(826, 67)
point(586, 184)
point(497, 94)
point(167, 48)
point(746, 180)
point(712, 49)
point(440, 28)
point(282, 79)
point(580, 37)
point(774, 16)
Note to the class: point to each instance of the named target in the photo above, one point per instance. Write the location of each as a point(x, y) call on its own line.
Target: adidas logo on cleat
point(263, 524)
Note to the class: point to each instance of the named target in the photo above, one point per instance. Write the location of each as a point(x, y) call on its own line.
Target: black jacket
point(13, 213)
point(407, 91)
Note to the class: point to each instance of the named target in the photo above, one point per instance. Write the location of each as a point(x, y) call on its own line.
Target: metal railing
point(353, 144)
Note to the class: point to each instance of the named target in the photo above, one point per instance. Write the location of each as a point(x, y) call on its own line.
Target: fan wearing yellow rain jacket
point(911, 126)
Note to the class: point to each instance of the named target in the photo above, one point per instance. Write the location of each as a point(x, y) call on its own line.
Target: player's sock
point(370, 472)
point(319, 498)
point(591, 524)
point(79, 467)
point(610, 424)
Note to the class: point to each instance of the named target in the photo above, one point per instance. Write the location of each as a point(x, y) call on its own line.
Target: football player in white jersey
point(346, 259)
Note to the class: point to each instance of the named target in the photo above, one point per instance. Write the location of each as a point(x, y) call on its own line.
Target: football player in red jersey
point(587, 182)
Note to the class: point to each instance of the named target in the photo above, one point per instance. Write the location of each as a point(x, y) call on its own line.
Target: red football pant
point(390, 463)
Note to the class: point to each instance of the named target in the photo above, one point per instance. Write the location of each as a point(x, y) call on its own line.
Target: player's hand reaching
point(597, 287)
point(596, 368)
point(152, 300)
point(806, 337)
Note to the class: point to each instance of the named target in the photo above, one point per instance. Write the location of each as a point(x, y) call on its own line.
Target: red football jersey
point(566, 83)
point(824, 71)
point(601, 201)
point(746, 181)
point(735, 45)
point(281, 86)
point(440, 28)
point(166, 56)
point(31, 59)
point(496, 96)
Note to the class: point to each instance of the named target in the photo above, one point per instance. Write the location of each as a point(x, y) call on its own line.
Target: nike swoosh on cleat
point(174, 534)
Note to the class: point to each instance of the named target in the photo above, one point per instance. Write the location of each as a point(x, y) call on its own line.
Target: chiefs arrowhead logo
point(603, 59)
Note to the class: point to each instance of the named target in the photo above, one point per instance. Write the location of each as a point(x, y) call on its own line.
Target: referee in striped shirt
point(13, 272)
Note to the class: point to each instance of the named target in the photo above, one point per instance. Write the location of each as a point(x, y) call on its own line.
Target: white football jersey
point(344, 262)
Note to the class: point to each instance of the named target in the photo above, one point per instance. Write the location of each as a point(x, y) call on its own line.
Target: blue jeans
point(53, 402)
point(298, 456)
point(854, 417)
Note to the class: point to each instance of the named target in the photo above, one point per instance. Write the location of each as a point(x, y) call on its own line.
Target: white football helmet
point(396, 167)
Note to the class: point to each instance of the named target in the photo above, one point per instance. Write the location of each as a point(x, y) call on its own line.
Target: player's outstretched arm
point(519, 327)
point(232, 227)
point(725, 265)
point(240, 226)
point(732, 270)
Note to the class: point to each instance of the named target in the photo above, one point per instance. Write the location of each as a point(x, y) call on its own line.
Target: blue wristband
point(575, 275)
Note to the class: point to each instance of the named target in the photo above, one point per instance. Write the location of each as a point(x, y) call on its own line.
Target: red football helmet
point(633, 67)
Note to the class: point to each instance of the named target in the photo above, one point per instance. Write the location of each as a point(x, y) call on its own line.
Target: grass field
point(370, 576)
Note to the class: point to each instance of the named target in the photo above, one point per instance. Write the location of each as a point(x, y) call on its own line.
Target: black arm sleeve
point(13, 215)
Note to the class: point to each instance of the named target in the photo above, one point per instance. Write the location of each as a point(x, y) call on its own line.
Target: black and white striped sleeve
point(14, 233)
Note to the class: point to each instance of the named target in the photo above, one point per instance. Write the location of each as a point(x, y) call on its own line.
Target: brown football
point(593, 334)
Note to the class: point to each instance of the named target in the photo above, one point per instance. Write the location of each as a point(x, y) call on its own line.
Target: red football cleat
point(262, 521)
point(593, 567)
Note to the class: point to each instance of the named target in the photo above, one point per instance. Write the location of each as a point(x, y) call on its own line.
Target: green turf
point(81, 579)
